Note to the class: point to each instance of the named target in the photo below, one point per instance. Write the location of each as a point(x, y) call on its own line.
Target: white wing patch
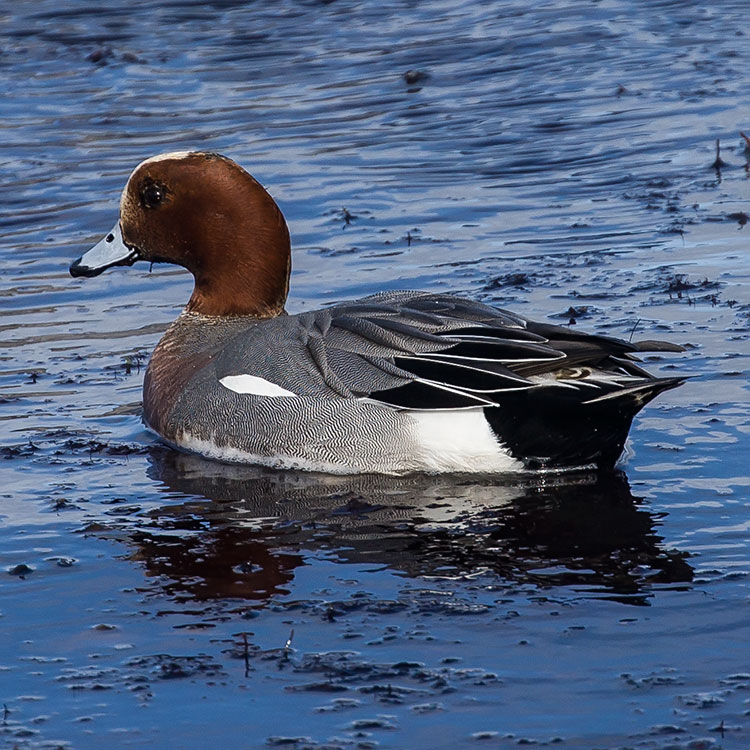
point(253, 385)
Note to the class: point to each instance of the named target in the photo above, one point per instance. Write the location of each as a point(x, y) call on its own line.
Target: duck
point(398, 382)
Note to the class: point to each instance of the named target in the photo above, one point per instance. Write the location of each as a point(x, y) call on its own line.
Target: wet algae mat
point(558, 159)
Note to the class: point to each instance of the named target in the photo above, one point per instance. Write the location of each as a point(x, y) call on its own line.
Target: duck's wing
point(424, 351)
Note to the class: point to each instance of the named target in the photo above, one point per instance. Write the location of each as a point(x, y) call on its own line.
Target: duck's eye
point(152, 194)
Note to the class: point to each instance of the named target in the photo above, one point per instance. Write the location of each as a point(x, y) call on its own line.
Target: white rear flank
point(459, 440)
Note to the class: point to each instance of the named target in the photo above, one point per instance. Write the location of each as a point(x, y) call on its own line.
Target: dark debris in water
point(740, 217)
point(21, 570)
point(53, 446)
point(386, 683)
point(679, 287)
point(415, 75)
point(139, 674)
point(168, 667)
point(104, 55)
point(91, 446)
point(58, 504)
point(679, 284)
point(21, 450)
point(517, 279)
point(572, 314)
point(718, 162)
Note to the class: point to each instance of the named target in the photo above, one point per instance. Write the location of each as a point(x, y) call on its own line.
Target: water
point(555, 158)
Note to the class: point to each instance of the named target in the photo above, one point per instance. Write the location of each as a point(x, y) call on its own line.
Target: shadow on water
point(243, 530)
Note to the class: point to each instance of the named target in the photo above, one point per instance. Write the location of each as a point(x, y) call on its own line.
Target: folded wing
point(415, 350)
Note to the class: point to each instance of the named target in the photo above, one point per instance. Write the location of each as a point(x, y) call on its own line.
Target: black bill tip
point(78, 268)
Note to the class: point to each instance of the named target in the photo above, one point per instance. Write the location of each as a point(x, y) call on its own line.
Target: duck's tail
point(639, 394)
point(553, 427)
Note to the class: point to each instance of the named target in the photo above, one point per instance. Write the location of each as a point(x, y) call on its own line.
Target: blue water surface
point(557, 158)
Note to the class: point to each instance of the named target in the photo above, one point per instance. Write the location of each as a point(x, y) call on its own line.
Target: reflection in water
point(242, 531)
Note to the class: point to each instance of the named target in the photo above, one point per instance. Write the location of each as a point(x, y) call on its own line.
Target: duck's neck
point(251, 286)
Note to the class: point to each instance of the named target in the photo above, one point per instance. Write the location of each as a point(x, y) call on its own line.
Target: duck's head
point(204, 212)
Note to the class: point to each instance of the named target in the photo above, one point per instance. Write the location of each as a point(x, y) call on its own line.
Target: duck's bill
point(108, 252)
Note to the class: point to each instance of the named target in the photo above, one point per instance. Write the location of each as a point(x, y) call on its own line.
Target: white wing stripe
point(253, 385)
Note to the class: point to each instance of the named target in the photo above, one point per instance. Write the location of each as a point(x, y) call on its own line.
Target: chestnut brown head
point(204, 212)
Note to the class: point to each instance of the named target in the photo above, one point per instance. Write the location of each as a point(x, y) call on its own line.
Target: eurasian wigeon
point(393, 383)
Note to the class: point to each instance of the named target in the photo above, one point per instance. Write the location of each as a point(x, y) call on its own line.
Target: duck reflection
point(240, 531)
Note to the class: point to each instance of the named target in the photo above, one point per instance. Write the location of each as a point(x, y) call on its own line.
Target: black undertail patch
point(554, 427)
